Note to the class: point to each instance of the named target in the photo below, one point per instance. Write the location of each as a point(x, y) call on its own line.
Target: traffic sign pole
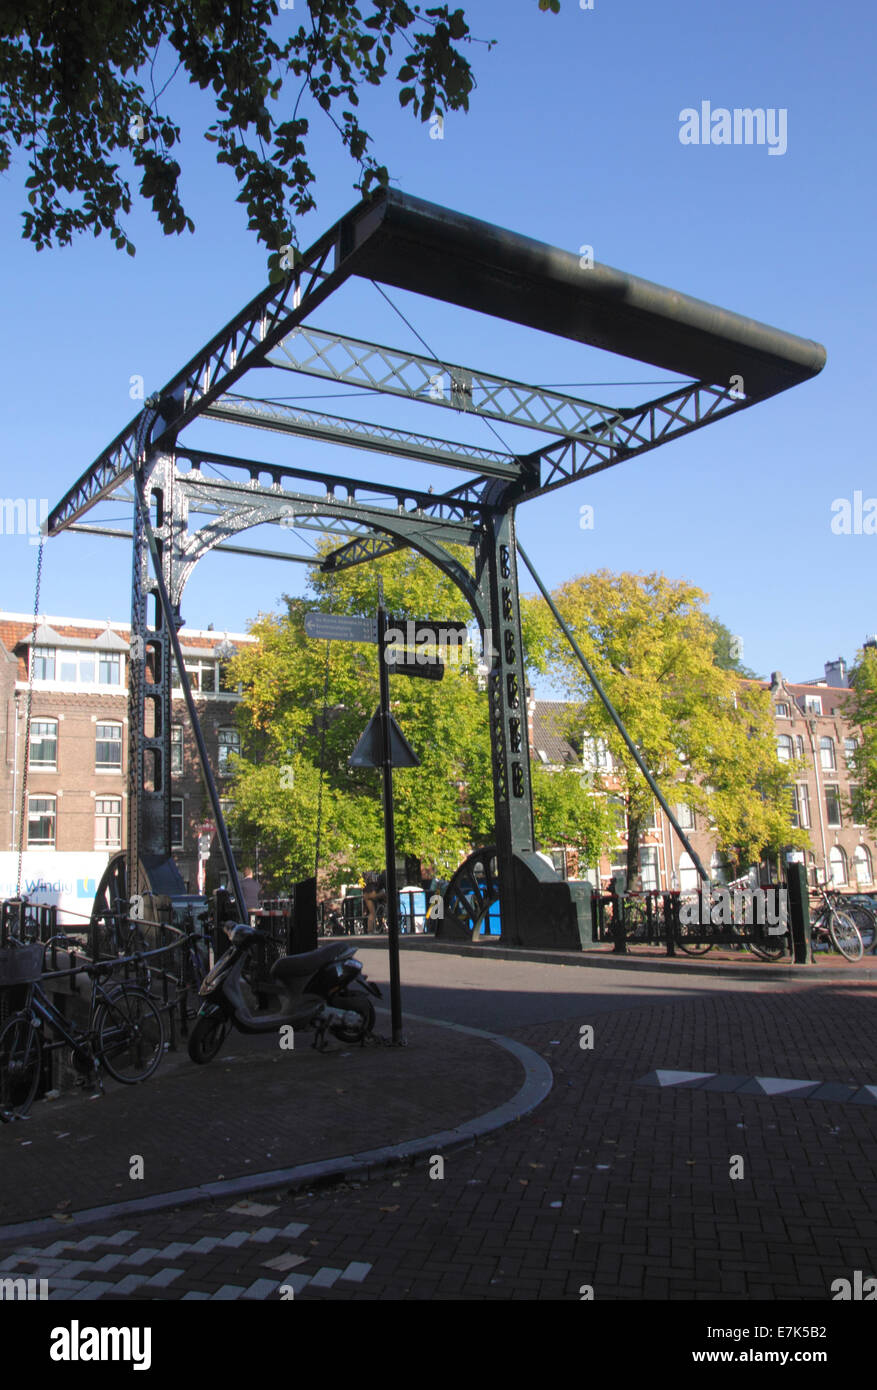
point(389, 836)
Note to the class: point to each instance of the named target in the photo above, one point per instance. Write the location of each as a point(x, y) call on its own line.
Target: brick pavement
point(608, 1183)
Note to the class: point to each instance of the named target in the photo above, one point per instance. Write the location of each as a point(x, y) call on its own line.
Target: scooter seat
point(293, 967)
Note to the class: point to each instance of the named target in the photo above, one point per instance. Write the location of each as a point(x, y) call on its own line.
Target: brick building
point(77, 782)
point(812, 730)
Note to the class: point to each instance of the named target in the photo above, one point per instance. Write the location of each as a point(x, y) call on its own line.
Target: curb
point(671, 965)
point(538, 1081)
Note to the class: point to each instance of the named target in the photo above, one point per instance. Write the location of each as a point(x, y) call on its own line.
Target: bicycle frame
point(39, 1006)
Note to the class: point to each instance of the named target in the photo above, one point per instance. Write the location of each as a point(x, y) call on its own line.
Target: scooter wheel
point(207, 1037)
point(354, 1003)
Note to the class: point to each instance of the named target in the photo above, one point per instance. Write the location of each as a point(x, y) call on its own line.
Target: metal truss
point(382, 439)
point(452, 507)
point(668, 417)
point(355, 362)
point(240, 346)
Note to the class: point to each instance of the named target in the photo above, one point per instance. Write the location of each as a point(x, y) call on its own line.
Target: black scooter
point(314, 990)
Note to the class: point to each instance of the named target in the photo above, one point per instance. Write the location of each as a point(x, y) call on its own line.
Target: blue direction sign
point(339, 627)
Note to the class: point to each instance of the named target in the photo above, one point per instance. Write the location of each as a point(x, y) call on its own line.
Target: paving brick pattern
point(609, 1183)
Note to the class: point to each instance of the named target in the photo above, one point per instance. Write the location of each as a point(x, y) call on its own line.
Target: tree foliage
point(567, 813)
point(442, 808)
point(705, 733)
point(79, 96)
point(862, 711)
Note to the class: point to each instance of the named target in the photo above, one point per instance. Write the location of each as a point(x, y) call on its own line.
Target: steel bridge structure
point(728, 363)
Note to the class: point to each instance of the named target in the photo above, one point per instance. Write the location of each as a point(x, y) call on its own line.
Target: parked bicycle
point(124, 1036)
point(829, 923)
point(862, 915)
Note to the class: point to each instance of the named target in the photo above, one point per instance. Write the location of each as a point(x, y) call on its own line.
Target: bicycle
point(863, 917)
point(125, 1033)
point(838, 927)
point(689, 938)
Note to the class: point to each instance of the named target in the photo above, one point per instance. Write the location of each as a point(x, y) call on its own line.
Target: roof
point(551, 721)
point(16, 632)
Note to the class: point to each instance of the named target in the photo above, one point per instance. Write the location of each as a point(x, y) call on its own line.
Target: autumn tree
point(705, 733)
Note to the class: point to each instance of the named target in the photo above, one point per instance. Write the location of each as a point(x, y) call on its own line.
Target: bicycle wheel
point(769, 947)
point(130, 1036)
point(685, 933)
point(846, 935)
point(20, 1061)
point(866, 922)
point(636, 921)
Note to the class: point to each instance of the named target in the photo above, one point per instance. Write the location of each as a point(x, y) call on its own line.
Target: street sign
point(339, 627)
point(412, 663)
point(368, 751)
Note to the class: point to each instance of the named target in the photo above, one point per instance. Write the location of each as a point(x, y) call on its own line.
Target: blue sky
point(573, 138)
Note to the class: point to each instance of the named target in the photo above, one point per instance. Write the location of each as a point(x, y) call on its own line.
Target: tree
point(862, 711)
point(78, 94)
point(567, 812)
point(705, 733)
point(442, 808)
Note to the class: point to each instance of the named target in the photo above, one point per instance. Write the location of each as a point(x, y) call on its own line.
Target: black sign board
point(410, 663)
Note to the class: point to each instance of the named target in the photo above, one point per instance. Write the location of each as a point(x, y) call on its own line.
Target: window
point(688, 875)
point(784, 748)
point(619, 811)
point(782, 711)
point(863, 866)
point(838, 865)
point(43, 663)
point(718, 870)
point(857, 805)
point(108, 756)
point(596, 755)
point(850, 747)
point(648, 821)
point(109, 668)
point(76, 668)
point(800, 746)
point(44, 744)
point(648, 868)
point(176, 822)
point(201, 673)
point(832, 806)
point(826, 754)
point(229, 749)
point(558, 859)
point(227, 808)
point(685, 816)
point(801, 817)
point(108, 822)
point(41, 822)
point(813, 704)
point(176, 748)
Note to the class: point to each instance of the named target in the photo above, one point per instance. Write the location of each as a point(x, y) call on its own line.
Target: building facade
point(814, 736)
point(77, 783)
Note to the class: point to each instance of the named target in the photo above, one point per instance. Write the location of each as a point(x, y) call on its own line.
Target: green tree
point(705, 733)
point(442, 807)
point(566, 812)
point(862, 710)
point(80, 96)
